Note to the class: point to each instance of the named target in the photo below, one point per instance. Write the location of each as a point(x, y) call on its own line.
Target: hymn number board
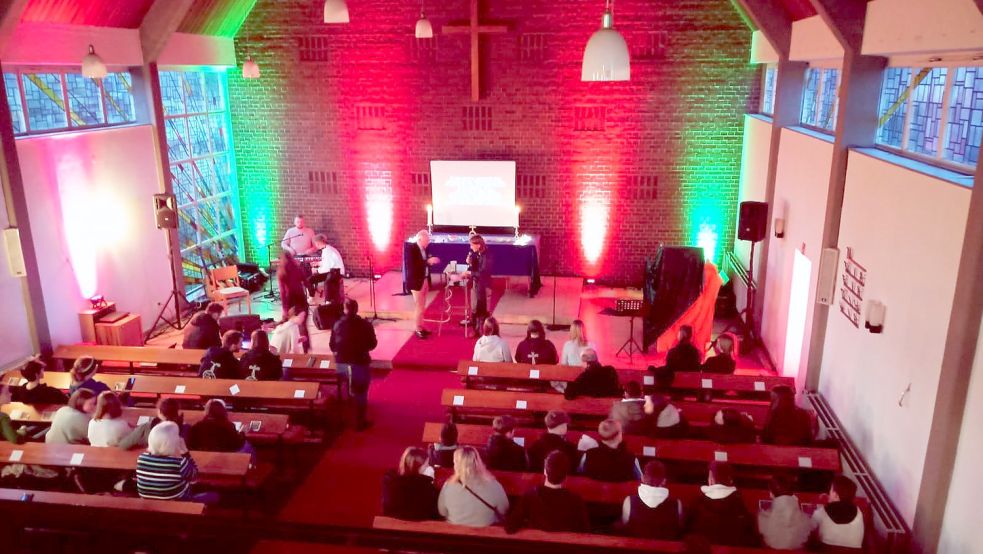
point(852, 284)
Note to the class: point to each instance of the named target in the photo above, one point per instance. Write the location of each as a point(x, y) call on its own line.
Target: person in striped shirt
point(166, 471)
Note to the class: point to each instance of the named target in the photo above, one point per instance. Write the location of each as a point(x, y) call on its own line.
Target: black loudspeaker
point(165, 212)
point(326, 315)
point(752, 224)
point(246, 323)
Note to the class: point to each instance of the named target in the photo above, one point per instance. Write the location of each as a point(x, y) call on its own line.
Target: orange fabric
point(699, 315)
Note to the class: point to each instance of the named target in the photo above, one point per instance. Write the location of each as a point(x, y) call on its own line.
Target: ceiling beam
point(845, 18)
point(162, 19)
point(10, 14)
point(772, 19)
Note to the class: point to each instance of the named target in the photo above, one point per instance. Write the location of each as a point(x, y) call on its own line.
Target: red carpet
point(443, 350)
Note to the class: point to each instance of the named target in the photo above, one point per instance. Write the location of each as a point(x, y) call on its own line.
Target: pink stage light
point(594, 227)
point(78, 224)
point(379, 208)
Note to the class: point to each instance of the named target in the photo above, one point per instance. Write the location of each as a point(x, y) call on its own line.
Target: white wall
point(755, 154)
point(812, 40)
point(961, 529)
point(90, 202)
point(925, 26)
point(15, 335)
point(801, 186)
point(762, 50)
point(907, 230)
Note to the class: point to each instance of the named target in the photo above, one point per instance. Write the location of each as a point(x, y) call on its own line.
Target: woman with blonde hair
point(472, 497)
point(108, 427)
point(408, 492)
point(574, 348)
point(83, 375)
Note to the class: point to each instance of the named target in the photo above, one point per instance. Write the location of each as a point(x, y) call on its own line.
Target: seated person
point(258, 363)
point(168, 409)
point(502, 452)
point(214, 432)
point(596, 381)
point(220, 362)
point(107, 426)
point(83, 375)
point(719, 513)
point(610, 460)
point(840, 523)
point(408, 492)
point(472, 496)
point(7, 430)
point(70, 424)
point(330, 259)
point(550, 506)
point(287, 338)
point(630, 411)
point(684, 356)
point(732, 427)
point(536, 348)
point(35, 391)
point(652, 512)
point(203, 332)
point(166, 470)
point(441, 454)
point(669, 422)
point(553, 439)
point(491, 347)
point(783, 525)
point(787, 424)
point(723, 362)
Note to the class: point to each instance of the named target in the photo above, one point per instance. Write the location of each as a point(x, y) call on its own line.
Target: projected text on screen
point(478, 193)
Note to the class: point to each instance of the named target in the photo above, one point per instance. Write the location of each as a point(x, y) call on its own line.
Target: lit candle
point(429, 215)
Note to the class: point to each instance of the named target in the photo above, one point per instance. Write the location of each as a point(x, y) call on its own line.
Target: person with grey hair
point(166, 470)
point(418, 268)
point(596, 380)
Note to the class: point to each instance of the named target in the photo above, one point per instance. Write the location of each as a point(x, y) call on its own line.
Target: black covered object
point(245, 323)
point(673, 282)
point(251, 277)
point(326, 315)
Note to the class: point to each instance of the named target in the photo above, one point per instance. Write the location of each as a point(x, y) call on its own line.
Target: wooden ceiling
point(798, 9)
point(206, 17)
point(221, 18)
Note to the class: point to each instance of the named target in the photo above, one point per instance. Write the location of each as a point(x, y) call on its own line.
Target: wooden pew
point(487, 402)
point(554, 541)
point(539, 376)
point(103, 501)
point(756, 455)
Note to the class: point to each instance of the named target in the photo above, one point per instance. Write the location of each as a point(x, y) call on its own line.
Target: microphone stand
point(272, 294)
point(375, 312)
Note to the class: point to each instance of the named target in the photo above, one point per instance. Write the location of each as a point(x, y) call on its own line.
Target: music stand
point(630, 308)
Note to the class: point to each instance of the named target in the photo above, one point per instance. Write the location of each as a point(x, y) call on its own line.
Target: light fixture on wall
point(92, 65)
point(335, 11)
point(250, 69)
point(874, 322)
point(423, 27)
point(779, 228)
point(606, 56)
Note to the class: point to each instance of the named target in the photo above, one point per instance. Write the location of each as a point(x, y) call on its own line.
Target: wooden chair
point(222, 284)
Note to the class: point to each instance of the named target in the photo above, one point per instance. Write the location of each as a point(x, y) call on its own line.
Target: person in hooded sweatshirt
point(536, 348)
point(783, 525)
point(553, 439)
point(258, 363)
point(731, 427)
point(204, 332)
point(652, 513)
point(610, 461)
point(840, 523)
point(667, 420)
point(491, 347)
point(550, 506)
point(502, 452)
point(441, 454)
point(220, 362)
point(719, 513)
point(408, 492)
point(596, 381)
point(630, 411)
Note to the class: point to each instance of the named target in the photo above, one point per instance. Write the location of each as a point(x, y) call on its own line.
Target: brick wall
point(343, 113)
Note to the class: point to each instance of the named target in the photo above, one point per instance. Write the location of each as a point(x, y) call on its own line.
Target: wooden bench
point(103, 501)
point(685, 450)
point(488, 402)
point(538, 377)
point(553, 541)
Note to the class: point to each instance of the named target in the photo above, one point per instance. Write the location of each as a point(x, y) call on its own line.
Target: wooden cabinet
point(127, 331)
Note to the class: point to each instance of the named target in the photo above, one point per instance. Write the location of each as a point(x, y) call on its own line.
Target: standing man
point(351, 341)
point(299, 239)
point(418, 277)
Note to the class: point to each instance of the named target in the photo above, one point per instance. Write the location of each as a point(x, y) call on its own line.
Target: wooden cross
point(475, 29)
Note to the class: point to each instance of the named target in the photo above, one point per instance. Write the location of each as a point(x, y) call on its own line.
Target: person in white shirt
point(107, 426)
point(286, 338)
point(574, 348)
point(299, 239)
point(491, 347)
point(840, 522)
point(330, 259)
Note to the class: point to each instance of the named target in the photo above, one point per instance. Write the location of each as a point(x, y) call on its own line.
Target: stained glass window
point(14, 100)
point(84, 100)
point(810, 92)
point(768, 92)
point(926, 113)
point(893, 106)
point(196, 118)
point(45, 101)
point(64, 100)
point(119, 98)
point(965, 123)
point(828, 99)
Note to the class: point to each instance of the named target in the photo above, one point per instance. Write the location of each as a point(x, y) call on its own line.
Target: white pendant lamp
point(606, 57)
point(335, 11)
point(423, 27)
point(92, 65)
point(250, 69)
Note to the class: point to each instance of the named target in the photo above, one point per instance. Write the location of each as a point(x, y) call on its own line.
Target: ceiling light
point(423, 27)
point(335, 11)
point(606, 56)
point(250, 69)
point(92, 65)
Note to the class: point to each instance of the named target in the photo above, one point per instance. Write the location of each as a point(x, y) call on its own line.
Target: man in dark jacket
point(596, 381)
point(203, 331)
point(553, 439)
point(610, 461)
point(351, 341)
point(719, 513)
point(502, 452)
point(220, 362)
point(550, 506)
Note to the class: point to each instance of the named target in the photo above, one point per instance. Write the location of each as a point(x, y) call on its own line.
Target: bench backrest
point(220, 464)
point(758, 455)
point(178, 356)
point(103, 501)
